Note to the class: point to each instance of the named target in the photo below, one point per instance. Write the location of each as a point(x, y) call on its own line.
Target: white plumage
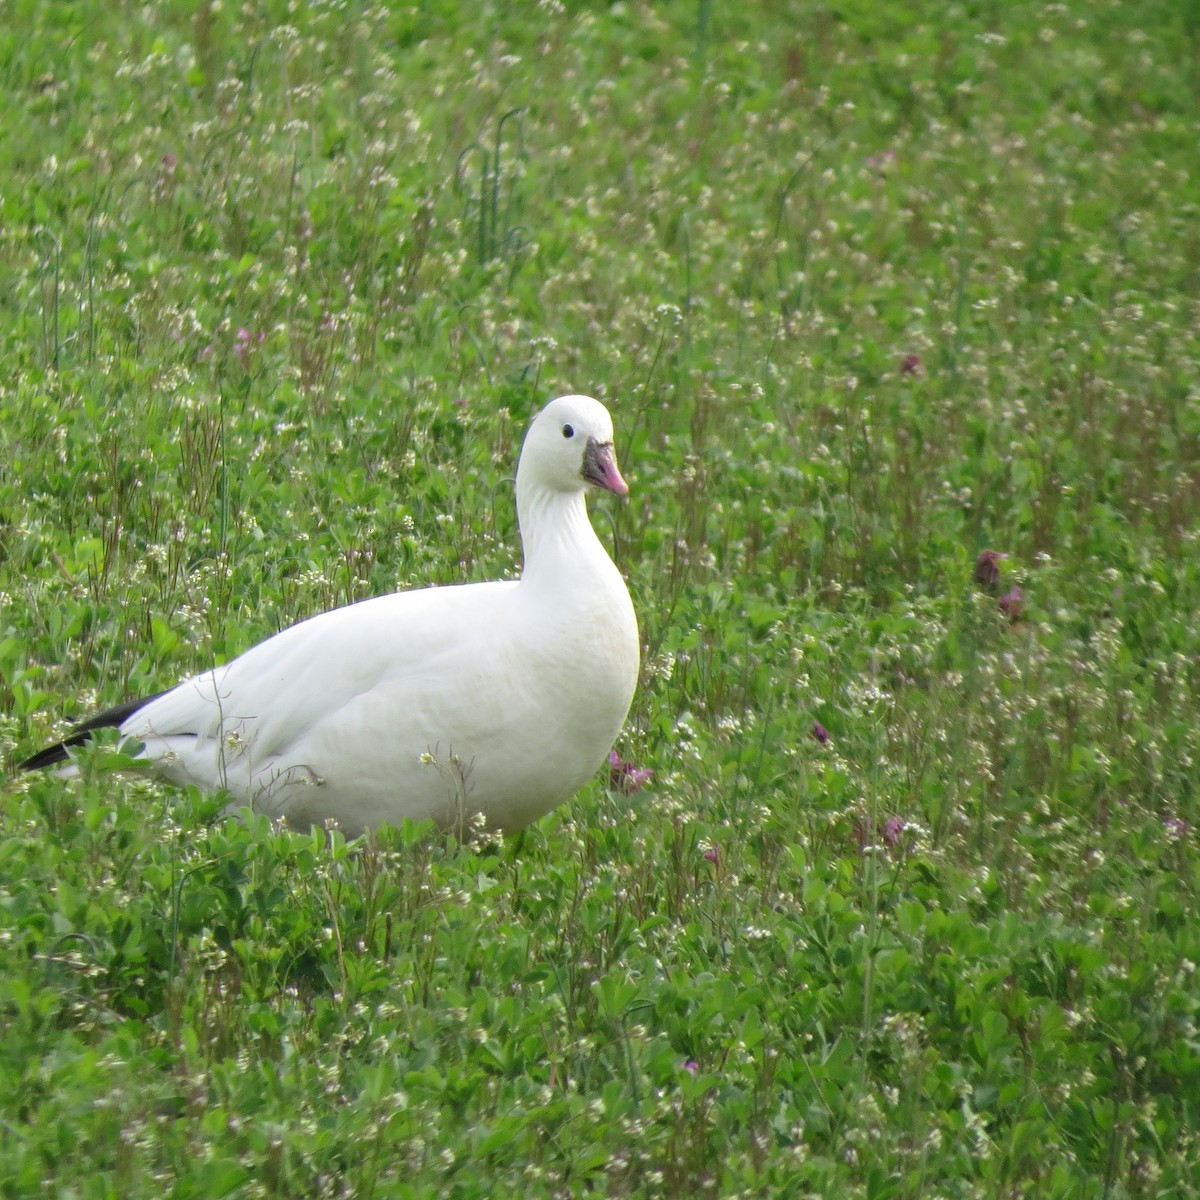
point(494, 698)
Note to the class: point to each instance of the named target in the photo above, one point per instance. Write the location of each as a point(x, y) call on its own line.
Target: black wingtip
point(49, 756)
point(112, 718)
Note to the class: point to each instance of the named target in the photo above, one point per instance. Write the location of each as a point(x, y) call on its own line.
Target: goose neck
point(556, 534)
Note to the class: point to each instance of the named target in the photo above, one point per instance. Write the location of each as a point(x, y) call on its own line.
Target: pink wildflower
point(1012, 602)
point(987, 568)
point(625, 777)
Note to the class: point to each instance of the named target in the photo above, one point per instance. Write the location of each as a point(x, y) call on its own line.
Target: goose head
point(569, 447)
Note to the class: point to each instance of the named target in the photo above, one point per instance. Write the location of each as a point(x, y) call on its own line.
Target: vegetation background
point(909, 907)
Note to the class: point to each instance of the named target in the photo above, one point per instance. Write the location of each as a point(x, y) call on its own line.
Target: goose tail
point(111, 718)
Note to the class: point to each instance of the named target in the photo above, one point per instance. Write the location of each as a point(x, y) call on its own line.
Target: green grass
point(951, 951)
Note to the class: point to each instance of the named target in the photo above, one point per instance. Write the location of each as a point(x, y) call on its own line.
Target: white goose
point(494, 698)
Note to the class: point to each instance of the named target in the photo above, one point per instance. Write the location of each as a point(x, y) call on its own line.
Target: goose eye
point(568, 431)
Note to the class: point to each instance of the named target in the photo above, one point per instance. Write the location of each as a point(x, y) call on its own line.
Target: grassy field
point(910, 906)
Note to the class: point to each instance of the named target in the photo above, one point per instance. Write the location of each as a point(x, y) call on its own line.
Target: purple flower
point(1175, 828)
point(692, 1067)
point(893, 829)
point(625, 777)
point(163, 187)
point(244, 343)
point(910, 364)
point(987, 568)
point(820, 733)
point(713, 855)
point(1012, 602)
